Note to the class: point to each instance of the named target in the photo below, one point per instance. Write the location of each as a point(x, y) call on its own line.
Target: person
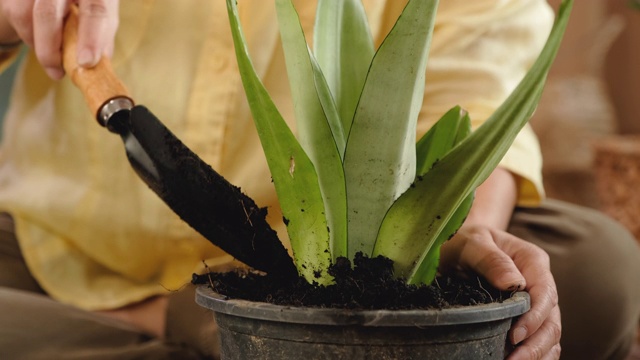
point(94, 265)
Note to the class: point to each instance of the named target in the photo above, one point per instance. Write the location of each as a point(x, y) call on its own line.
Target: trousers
point(595, 262)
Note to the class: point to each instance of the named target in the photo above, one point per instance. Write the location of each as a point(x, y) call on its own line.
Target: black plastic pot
point(252, 330)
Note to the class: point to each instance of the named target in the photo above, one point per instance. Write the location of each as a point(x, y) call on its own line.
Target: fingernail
point(54, 73)
point(518, 335)
point(86, 58)
point(515, 287)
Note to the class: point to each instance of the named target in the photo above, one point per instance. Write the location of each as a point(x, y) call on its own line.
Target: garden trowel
point(192, 189)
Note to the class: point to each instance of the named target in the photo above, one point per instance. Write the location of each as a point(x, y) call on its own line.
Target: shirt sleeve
point(480, 51)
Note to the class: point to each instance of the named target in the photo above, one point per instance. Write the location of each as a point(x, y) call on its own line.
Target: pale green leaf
point(292, 171)
point(416, 219)
point(428, 268)
point(343, 45)
point(380, 156)
point(452, 127)
point(329, 107)
point(448, 132)
point(318, 124)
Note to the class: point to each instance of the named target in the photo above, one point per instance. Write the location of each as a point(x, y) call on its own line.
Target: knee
point(596, 272)
point(610, 248)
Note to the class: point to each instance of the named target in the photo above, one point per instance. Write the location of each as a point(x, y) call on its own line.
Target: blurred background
point(6, 79)
point(588, 121)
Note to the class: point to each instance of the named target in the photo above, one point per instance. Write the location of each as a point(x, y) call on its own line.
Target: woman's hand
point(508, 263)
point(39, 24)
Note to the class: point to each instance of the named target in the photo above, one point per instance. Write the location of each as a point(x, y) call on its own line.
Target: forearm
point(495, 201)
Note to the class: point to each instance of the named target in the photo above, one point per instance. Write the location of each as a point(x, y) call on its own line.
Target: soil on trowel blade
point(368, 285)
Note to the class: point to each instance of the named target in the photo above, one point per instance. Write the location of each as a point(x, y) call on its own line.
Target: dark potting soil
point(368, 285)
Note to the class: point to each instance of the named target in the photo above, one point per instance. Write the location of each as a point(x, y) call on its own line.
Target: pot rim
point(518, 304)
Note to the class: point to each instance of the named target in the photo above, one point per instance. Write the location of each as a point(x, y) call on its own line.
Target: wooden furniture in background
point(617, 164)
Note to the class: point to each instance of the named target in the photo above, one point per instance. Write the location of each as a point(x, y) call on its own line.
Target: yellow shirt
point(96, 237)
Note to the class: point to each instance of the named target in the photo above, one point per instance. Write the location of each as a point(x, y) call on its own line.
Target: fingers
point(48, 17)
point(554, 354)
point(534, 265)
point(39, 23)
point(537, 331)
point(474, 248)
point(495, 265)
point(97, 26)
point(510, 263)
point(19, 15)
point(544, 343)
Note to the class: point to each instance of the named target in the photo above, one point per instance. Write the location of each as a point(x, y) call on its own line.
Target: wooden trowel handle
point(99, 84)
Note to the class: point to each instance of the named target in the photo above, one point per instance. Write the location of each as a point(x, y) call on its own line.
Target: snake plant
point(355, 178)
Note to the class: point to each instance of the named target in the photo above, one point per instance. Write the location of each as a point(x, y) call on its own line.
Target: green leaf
point(319, 127)
point(448, 132)
point(428, 268)
point(328, 107)
point(343, 46)
point(416, 219)
point(292, 171)
point(452, 128)
point(379, 160)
